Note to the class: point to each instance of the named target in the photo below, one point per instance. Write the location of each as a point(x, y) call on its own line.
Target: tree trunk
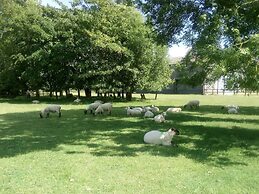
point(37, 93)
point(50, 94)
point(156, 96)
point(56, 94)
point(88, 93)
point(78, 93)
point(129, 96)
point(122, 94)
point(61, 93)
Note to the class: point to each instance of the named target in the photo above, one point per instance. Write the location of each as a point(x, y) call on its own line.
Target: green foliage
point(220, 33)
point(93, 44)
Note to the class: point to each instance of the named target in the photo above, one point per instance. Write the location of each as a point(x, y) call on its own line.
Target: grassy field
point(77, 153)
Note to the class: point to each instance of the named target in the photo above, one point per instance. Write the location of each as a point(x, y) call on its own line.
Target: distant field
point(77, 153)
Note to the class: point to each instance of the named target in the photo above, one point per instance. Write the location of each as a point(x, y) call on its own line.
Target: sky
point(174, 51)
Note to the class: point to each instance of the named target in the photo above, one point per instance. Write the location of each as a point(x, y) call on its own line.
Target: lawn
point(77, 153)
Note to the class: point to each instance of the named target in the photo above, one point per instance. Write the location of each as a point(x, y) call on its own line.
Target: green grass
point(77, 153)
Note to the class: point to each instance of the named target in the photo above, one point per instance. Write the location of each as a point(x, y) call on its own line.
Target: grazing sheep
point(173, 110)
point(91, 107)
point(160, 138)
point(50, 109)
point(149, 114)
point(154, 109)
point(98, 101)
point(232, 111)
point(104, 107)
point(192, 104)
point(160, 118)
point(35, 101)
point(133, 111)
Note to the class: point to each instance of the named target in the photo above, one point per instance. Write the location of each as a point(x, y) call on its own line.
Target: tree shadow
point(119, 135)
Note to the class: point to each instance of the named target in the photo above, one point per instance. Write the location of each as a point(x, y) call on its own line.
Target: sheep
point(161, 138)
point(230, 106)
point(146, 108)
point(104, 107)
point(133, 111)
point(77, 100)
point(149, 114)
point(91, 107)
point(154, 109)
point(173, 110)
point(192, 104)
point(160, 118)
point(232, 111)
point(98, 101)
point(50, 109)
point(137, 108)
point(35, 101)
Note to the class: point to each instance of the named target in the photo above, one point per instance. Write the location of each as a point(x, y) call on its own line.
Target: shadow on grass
point(119, 135)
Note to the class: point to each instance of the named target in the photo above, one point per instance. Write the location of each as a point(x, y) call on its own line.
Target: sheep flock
point(152, 113)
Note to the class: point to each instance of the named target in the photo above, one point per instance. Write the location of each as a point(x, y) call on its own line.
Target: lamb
point(137, 108)
point(160, 118)
point(91, 107)
point(149, 114)
point(160, 138)
point(104, 107)
point(35, 101)
point(192, 104)
point(50, 109)
point(173, 110)
point(232, 111)
point(133, 111)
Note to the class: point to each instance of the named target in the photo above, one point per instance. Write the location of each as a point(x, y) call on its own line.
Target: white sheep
point(192, 104)
point(35, 101)
point(104, 107)
point(149, 114)
point(160, 118)
point(173, 110)
point(137, 108)
point(133, 111)
point(160, 138)
point(146, 108)
point(232, 111)
point(230, 106)
point(91, 107)
point(50, 109)
point(154, 109)
point(77, 100)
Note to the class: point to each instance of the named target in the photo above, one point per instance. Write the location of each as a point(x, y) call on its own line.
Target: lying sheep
point(50, 109)
point(160, 118)
point(154, 109)
point(173, 110)
point(77, 100)
point(149, 114)
point(132, 112)
point(160, 138)
point(35, 101)
point(192, 104)
point(232, 111)
point(146, 108)
point(230, 106)
point(104, 107)
point(91, 107)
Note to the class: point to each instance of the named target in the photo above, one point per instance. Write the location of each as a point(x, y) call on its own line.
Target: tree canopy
point(100, 45)
point(222, 35)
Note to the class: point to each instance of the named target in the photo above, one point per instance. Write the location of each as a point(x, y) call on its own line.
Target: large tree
point(212, 27)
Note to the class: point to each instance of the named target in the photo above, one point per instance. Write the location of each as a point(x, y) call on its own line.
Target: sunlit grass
point(77, 153)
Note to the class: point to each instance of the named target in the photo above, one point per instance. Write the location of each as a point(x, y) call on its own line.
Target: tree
point(212, 28)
